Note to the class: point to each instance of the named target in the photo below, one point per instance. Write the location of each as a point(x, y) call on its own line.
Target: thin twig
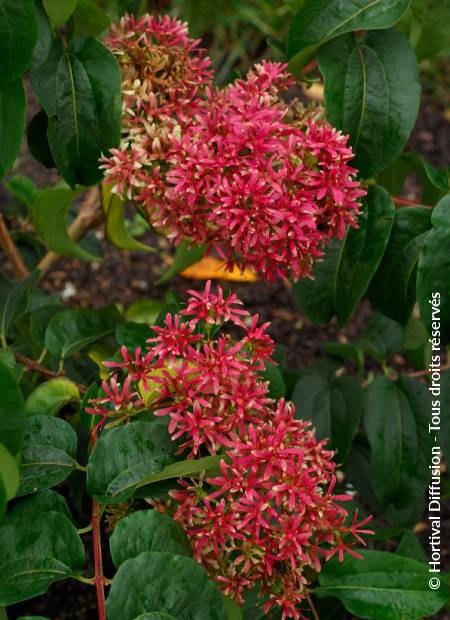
point(45, 372)
point(312, 607)
point(11, 251)
point(405, 202)
point(89, 216)
point(422, 373)
point(99, 578)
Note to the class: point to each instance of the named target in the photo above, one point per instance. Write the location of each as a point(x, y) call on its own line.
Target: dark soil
point(128, 276)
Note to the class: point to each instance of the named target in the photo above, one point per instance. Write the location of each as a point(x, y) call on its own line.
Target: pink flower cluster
point(270, 518)
point(271, 515)
point(264, 183)
point(164, 74)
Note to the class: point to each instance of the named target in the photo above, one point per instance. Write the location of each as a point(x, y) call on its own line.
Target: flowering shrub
point(215, 465)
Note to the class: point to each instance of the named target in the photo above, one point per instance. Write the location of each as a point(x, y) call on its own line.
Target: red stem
point(309, 66)
point(407, 202)
point(99, 578)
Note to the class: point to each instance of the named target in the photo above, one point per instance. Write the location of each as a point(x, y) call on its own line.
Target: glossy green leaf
point(12, 121)
point(38, 548)
point(9, 478)
point(396, 418)
point(185, 255)
point(147, 530)
point(12, 414)
point(123, 457)
point(44, 501)
point(343, 276)
point(39, 320)
point(50, 397)
point(17, 38)
point(48, 454)
point(334, 406)
point(416, 344)
point(69, 331)
point(191, 468)
point(234, 611)
point(433, 274)
point(144, 311)
point(273, 374)
point(116, 230)
point(318, 21)
point(59, 11)
point(89, 19)
point(393, 288)
point(382, 338)
point(79, 88)
point(49, 216)
point(14, 298)
point(382, 586)
point(372, 93)
point(162, 582)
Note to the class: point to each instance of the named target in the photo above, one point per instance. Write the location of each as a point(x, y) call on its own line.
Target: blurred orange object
point(211, 268)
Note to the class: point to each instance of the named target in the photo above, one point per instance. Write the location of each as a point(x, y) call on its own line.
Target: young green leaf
point(116, 230)
point(9, 478)
point(147, 530)
point(393, 288)
point(318, 21)
point(343, 275)
point(17, 38)
point(12, 121)
point(185, 255)
point(372, 93)
point(59, 11)
point(147, 583)
point(382, 586)
point(123, 457)
point(191, 468)
point(50, 397)
point(48, 454)
point(69, 331)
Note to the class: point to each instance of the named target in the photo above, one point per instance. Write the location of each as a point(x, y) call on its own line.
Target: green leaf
point(14, 298)
point(416, 344)
point(12, 120)
point(144, 311)
point(319, 21)
point(162, 582)
point(132, 335)
point(17, 38)
point(393, 288)
point(39, 320)
point(372, 93)
point(185, 255)
point(234, 611)
point(79, 88)
point(147, 530)
point(12, 414)
point(38, 548)
point(343, 276)
point(50, 397)
point(44, 501)
point(396, 419)
point(49, 216)
point(382, 338)
point(89, 19)
point(69, 331)
point(433, 274)
point(334, 406)
point(44, 38)
point(410, 547)
point(426, 27)
point(9, 478)
point(191, 468)
point(37, 140)
point(48, 455)
point(124, 457)
point(59, 11)
point(382, 586)
point(116, 230)
point(273, 374)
